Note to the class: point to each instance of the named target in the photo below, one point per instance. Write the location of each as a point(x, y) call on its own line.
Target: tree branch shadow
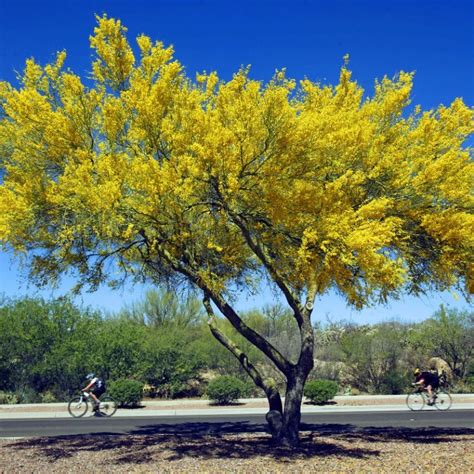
point(238, 440)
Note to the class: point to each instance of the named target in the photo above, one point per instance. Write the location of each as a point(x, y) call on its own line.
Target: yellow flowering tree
point(143, 172)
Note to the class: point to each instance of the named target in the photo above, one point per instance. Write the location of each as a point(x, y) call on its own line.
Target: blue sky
point(431, 37)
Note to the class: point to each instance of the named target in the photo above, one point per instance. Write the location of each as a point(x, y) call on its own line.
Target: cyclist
point(427, 381)
point(95, 387)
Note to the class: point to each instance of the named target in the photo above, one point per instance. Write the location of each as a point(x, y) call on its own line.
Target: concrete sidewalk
point(186, 407)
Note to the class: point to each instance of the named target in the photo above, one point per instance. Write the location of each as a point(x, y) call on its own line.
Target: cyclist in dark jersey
point(428, 381)
point(96, 387)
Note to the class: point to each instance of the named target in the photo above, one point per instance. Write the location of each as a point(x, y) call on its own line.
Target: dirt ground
point(231, 448)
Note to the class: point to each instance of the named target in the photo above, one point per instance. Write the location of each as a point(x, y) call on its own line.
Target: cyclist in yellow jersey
point(428, 381)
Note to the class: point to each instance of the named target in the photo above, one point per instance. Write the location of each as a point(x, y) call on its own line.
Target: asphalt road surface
point(220, 424)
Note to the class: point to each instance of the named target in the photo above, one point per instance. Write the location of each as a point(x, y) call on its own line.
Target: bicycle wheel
point(415, 401)
point(77, 406)
point(443, 400)
point(107, 406)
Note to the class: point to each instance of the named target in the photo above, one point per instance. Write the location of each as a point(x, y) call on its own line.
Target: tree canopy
point(146, 166)
point(143, 172)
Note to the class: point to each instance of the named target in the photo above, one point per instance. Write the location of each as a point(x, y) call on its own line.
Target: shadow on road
point(231, 441)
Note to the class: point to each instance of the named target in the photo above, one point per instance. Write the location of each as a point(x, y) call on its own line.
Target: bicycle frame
point(417, 399)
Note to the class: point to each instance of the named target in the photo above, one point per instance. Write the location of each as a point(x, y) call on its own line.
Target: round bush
point(320, 391)
point(127, 393)
point(225, 389)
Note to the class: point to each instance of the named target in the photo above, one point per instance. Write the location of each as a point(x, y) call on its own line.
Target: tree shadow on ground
point(227, 404)
point(240, 440)
point(320, 404)
point(426, 435)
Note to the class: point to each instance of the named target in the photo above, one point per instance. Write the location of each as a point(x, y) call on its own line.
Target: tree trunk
point(296, 378)
point(283, 423)
point(274, 416)
point(289, 435)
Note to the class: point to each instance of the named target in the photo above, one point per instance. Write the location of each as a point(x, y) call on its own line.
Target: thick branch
point(262, 254)
point(256, 339)
point(268, 386)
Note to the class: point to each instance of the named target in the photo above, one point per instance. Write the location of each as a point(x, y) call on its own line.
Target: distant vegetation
point(164, 343)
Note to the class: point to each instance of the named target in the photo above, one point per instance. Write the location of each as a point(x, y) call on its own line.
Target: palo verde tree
point(146, 173)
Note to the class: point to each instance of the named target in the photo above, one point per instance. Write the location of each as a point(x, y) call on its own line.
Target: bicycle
point(79, 405)
point(419, 397)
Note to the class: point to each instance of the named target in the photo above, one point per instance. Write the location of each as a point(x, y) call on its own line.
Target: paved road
point(327, 422)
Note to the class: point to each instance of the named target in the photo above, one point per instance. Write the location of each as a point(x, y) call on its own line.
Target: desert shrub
point(8, 398)
point(352, 391)
point(48, 397)
point(225, 389)
point(320, 391)
point(149, 391)
point(466, 386)
point(470, 384)
point(28, 395)
point(394, 382)
point(177, 389)
point(127, 393)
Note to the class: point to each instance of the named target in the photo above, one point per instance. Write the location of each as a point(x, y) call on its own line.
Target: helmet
point(416, 371)
point(90, 376)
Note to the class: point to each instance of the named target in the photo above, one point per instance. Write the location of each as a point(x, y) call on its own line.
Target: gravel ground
point(374, 451)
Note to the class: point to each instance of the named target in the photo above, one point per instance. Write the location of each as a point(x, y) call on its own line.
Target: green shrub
point(127, 393)
point(8, 398)
point(320, 391)
point(225, 389)
point(252, 391)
